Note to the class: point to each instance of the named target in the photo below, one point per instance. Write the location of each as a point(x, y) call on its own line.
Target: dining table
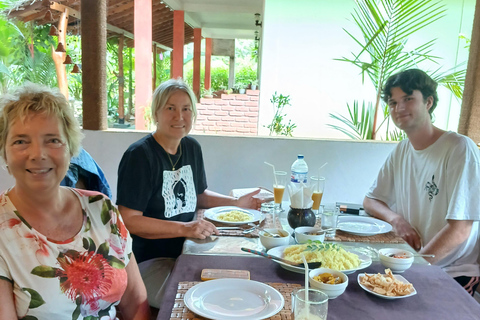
point(438, 296)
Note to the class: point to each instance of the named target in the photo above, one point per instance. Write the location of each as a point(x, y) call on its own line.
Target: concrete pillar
point(469, 123)
point(94, 65)
point(178, 42)
point(197, 41)
point(143, 59)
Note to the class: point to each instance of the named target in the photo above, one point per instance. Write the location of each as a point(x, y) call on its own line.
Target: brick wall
point(232, 114)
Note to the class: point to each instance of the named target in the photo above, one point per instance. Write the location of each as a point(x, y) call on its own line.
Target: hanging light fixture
point(60, 48)
point(53, 31)
point(68, 60)
point(76, 69)
point(257, 20)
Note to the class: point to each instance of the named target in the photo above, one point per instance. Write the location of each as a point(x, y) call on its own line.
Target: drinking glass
point(329, 219)
point(279, 184)
point(315, 308)
point(317, 185)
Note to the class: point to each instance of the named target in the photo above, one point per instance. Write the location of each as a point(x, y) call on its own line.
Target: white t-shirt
point(429, 186)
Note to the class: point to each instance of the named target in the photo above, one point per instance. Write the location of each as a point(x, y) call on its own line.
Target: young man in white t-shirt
point(428, 187)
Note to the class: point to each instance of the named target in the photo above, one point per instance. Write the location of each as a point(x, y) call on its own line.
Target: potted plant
point(239, 87)
point(254, 84)
point(208, 93)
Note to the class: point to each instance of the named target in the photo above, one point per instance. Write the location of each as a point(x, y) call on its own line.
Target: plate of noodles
point(332, 256)
point(233, 215)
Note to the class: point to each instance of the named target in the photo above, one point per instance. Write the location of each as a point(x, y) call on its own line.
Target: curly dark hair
point(409, 80)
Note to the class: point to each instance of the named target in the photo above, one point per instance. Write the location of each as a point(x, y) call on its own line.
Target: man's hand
point(199, 229)
point(403, 229)
point(248, 200)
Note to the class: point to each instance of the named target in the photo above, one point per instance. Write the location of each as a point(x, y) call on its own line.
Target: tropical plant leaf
point(359, 124)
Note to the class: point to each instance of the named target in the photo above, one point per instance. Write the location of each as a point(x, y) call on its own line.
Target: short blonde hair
point(166, 89)
point(37, 98)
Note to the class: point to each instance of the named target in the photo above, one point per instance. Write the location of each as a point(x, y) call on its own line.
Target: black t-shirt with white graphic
point(146, 183)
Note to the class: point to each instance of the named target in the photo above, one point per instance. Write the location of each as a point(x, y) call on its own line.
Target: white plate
point(237, 299)
point(212, 214)
point(365, 260)
point(398, 277)
point(363, 226)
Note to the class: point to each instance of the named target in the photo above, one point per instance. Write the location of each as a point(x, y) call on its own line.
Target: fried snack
point(386, 284)
point(235, 216)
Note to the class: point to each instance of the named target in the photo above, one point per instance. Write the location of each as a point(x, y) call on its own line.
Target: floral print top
point(80, 278)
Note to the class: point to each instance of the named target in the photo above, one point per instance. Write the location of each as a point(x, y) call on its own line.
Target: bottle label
point(298, 177)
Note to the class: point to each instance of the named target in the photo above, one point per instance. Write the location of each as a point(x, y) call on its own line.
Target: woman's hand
point(248, 200)
point(403, 229)
point(199, 229)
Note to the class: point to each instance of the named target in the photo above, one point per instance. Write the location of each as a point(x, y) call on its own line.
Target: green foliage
point(219, 78)
point(277, 126)
point(246, 75)
point(386, 26)
point(360, 122)
point(317, 245)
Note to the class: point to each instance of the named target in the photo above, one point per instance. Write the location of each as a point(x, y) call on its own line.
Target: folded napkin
point(300, 195)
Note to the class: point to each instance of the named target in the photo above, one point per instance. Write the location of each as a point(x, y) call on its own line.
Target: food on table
point(386, 284)
point(235, 216)
point(270, 234)
point(314, 233)
point(331, 256)
point(328, 278)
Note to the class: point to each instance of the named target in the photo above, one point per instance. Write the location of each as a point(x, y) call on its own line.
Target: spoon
point(311, 265)
point(416, 255)
point(273, 235)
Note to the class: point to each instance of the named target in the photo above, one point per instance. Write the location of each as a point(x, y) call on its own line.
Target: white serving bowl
point(302, 237)
point(332, 290)
point(397, 265)
point(270, 242)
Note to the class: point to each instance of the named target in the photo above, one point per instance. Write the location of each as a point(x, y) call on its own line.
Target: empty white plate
point(363, 226)
point(237, 299)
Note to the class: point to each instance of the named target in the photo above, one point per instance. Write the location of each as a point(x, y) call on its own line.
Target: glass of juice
point(317, 185)
point(279, 184)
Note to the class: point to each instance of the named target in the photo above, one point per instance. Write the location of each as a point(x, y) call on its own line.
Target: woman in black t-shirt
point(161, 182)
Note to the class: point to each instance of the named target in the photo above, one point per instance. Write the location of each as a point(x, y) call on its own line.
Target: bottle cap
point(300, 156)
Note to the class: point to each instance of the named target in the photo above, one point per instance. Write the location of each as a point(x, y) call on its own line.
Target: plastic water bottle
point(299, 170)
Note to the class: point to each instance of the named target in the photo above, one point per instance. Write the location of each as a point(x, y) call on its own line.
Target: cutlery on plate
point(311, 265)
point(229, 228)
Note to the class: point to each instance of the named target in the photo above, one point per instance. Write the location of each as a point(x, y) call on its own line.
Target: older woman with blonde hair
point(161, 182)
point(64, 253)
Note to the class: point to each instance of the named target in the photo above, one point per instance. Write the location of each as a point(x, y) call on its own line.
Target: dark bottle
point(301, 217)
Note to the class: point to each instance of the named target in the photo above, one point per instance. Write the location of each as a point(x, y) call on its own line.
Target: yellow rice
point(330, 258)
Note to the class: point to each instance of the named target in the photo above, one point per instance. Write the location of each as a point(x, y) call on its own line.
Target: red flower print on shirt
point(87, 275)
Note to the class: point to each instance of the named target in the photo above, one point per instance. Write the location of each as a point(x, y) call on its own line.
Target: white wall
point(301, 39)
point(237, 162)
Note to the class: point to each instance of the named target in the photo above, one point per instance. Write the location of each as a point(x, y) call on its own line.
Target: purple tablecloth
point(438, 295)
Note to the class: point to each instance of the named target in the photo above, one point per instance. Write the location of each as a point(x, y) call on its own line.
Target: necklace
point(171, 162)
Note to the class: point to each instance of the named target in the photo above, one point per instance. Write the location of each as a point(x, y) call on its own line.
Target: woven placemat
point(267, 222)
point(389, 237)
point(181, 312)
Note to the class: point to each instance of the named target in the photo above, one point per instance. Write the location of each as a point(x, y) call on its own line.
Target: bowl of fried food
point(397, 260)
point(331, 282)
point(303, 234)
point(271, 238)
